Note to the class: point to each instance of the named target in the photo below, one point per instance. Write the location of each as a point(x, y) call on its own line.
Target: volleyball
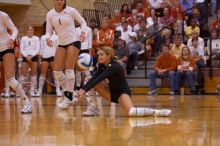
point(84, 61)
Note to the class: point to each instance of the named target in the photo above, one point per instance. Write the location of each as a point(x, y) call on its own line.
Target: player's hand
point(49, 42)
point(10, 43)
point(81, 93)
point(82, 37)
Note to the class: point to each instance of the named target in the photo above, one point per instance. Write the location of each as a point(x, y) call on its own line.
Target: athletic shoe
point(162, 113)
point(172, 93)
point(6, 95)
point(64, 105)
point(91, 111)
point(59, 93)
point(37, 94)
point(31, 93)
point(152, 92)
point(26, 107)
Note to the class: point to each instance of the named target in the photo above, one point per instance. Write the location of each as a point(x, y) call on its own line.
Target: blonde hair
point(109, 51)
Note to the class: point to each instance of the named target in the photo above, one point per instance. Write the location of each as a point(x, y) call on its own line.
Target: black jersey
point(115, 76)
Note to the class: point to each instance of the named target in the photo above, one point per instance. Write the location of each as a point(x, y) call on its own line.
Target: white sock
point(60, 79)
point(7, 87)
point(33, 83)
point(141, 111)
point(91, 98)
point(78, 78)
point(22, 79)
point(41, 84)
point(17, 87)
point(70, 80)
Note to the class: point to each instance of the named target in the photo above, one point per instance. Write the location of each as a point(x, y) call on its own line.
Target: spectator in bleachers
point(93, 24)
point(177, 9)
point(132, 4)
point(185, 69)
point(120, 27)
point(132, 20)
point(125, 32)
point(187, 4)
point(198, 53)
point(157, 38)
point(192, 28)
point(150, 19)
point(164, 69)
point(122, 53)
point(155, 4)
point(125, 12)
point(136, 49)
point(166, 37)
point(137, 26)
point(142, 11)
point(116, 20)
point(214, 23)
point(143, 32)
point(104, 36)
point(177, 46)
point(167, 18)
point(180, 25)
point(195, 35)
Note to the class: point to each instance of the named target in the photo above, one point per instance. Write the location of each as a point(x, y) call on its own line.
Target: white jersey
point(6, 23)
point(46, 51)
point(63, 24)
point(29, 46)
point(87, 43)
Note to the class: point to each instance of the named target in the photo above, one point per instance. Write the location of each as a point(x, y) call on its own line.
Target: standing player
point(8, 56)
point(30, 47)
point(61, 19)
point(115, 87)
point(47, 53)
point(86, 46)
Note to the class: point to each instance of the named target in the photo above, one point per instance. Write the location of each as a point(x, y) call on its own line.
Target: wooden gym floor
point(195, 121)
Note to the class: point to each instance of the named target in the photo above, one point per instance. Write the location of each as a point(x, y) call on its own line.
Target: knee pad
point(70, 74)
point(59, 75)
point(12, 83)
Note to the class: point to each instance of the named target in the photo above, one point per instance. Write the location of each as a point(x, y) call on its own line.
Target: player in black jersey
point(110, 82)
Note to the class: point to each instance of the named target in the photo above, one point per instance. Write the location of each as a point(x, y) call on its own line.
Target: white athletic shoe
point(26, 107)
point(6, 95)
point(91, 111)
point(31, 93)
point(152, 92)
point(37, 94)
point(64, 105)
point(162, 112)
point(59, 93)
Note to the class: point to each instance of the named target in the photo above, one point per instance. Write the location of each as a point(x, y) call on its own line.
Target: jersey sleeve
point(77, 16)
point(100, 76)
point(37, 49)
point(49, 26)
point(10, 25)
point(22, 47)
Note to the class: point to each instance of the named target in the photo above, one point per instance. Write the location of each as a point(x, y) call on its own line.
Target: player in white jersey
point(8, 56)
point(61, 19)
point(30, 47)
point(47, 54)
point(86, 45)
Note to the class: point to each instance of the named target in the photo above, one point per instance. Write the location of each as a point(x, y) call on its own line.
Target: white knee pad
point(70, 74)
point(59, 75)
point(13, 83)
